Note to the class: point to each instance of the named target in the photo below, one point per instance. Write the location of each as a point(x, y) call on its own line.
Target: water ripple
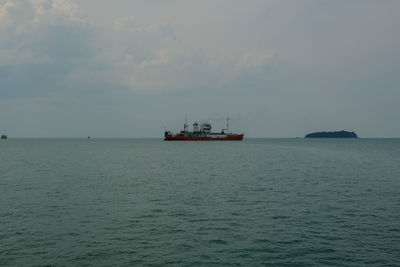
point(254, 203)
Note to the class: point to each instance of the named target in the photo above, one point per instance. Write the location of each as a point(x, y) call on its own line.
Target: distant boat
point(202, 132)
point(3, 136)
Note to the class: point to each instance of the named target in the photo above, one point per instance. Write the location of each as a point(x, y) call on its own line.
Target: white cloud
point(58, 11)
point(31, 27)
point(42, 41)
point(137, 55)
point(153, 57)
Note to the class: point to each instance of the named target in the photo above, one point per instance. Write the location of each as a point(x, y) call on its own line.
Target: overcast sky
point(133, 68)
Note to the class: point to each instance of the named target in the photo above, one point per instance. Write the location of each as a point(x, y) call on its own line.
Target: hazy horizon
point(131, 69)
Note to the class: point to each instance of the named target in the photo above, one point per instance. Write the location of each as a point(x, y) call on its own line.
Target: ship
point(202, 132)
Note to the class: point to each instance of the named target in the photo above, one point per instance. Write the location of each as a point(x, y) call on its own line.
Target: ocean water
point(129, 202)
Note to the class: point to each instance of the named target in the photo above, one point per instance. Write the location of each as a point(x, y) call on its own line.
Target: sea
point(146, 202)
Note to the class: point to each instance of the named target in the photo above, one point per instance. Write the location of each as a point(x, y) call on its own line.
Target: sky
point(277, 68)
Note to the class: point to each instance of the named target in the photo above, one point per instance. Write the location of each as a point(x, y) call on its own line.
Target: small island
point(338, 134)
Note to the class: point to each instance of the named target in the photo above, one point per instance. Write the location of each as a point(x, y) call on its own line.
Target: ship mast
point(185, 126)
point(227, 124)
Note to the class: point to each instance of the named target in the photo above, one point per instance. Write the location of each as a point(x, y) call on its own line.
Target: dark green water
point(148, 202)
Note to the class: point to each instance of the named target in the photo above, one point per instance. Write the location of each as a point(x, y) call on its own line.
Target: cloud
point(41, 42)
point(58, 12)
point(155, 58)
point(50, 47)
point(130, 24)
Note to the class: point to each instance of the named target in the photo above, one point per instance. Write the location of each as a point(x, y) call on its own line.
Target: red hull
point(238, 137)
